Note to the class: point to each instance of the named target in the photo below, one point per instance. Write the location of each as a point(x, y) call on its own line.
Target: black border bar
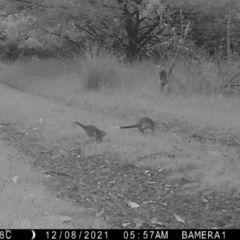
point(128, 234)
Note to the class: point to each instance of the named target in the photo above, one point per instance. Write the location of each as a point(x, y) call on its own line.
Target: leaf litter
point(132, 198)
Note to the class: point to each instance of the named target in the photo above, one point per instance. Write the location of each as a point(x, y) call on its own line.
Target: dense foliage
point(131, 28)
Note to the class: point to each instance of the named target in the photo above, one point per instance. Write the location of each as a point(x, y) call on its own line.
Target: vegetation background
point(109, 63)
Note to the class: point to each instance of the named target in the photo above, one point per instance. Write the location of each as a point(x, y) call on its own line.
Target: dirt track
point(25, 200)
point(182, 177)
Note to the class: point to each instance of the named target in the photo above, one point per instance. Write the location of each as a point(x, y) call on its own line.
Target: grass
point(101, 70)
point(107, 93)
point(49, 95)
point(27, 203)
point(124, 85)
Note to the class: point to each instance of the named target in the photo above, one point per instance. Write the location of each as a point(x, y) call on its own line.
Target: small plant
point(100, 70)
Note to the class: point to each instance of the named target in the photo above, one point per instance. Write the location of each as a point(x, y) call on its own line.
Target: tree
point(126, 25)
point(134, 27)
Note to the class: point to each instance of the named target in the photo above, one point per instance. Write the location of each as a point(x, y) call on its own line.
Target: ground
point(186, 175)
